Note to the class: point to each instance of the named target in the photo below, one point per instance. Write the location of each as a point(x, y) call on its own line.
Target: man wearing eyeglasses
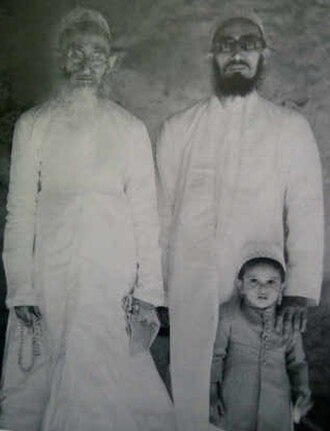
point(81, 244)
point(233, 168)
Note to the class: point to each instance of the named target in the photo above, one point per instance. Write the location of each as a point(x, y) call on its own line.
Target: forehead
point(238, 27)
point(262, 269)
point(89, 37)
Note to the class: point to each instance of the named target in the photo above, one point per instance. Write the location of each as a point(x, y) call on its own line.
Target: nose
point(85, 66)
point(237, 53)
point(262, 288)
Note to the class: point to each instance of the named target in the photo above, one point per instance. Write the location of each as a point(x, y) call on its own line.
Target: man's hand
point(292, 315)
point(142, 311)
point(26, 312)
point(145, 312)
point(217, 408)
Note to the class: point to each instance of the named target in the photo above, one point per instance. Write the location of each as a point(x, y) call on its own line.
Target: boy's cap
point(262, 250)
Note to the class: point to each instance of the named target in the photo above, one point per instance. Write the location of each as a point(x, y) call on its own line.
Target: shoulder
point(27, 120)
point(183, 121)
point(29, 116)
point(290, 119)
point(228, 311)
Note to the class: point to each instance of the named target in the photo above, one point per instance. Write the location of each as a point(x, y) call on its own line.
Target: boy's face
point(261, 285)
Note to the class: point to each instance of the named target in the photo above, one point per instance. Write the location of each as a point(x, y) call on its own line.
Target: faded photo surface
point(154, 138)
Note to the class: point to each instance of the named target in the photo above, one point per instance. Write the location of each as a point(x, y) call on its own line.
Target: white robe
point(231, 174)
point(82, 229)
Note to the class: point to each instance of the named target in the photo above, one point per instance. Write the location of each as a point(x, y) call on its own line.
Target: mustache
point(236, 63)
point(235, 83)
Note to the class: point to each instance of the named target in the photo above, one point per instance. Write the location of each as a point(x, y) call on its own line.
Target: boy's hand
point(217, 408)
point(26, 312)
point(300, 409)
point(292, 315)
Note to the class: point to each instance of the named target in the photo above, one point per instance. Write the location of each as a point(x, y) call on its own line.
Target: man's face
point(238, 53)
point(85, 58)
point(261, 285)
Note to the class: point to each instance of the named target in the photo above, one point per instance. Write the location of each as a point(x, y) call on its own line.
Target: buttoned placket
point(265, 336)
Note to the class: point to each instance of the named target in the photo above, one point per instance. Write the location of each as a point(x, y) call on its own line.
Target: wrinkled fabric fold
point(90, 234)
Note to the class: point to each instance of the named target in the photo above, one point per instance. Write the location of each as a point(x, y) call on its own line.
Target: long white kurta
point(73, 249)
point(246, 171)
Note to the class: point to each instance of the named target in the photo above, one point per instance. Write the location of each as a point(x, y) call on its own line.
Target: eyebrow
point(275, 277)
point(237, 38)
point(98, 47)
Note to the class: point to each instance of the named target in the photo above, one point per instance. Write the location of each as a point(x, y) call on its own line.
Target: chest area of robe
point(241, 157)
point(79, 155)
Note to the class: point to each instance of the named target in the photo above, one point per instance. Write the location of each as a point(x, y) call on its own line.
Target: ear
point(116, 58)
point(266, 54)
point(280, 294)
point(209, 55)
point(239, 285)
point(112, 61)
point(59, 57)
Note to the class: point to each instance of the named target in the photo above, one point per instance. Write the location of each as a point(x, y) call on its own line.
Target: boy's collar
point(258, 315)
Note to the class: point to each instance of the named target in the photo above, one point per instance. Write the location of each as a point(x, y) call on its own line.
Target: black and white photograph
point(165, 215)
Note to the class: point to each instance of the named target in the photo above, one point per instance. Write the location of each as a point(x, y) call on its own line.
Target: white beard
point(79, 105)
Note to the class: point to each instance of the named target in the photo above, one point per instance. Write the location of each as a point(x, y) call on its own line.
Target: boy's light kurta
point(262, 374)
point(249, 171)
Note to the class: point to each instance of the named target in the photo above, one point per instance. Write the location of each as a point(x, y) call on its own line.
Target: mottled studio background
point(163, 67)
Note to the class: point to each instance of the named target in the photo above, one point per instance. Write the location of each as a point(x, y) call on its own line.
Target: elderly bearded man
point(81, 233)
point(233, 168)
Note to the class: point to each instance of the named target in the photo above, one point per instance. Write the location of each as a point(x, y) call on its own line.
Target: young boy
point(259, 378)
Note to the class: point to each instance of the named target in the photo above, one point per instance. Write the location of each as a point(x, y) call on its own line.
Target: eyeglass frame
point(238, 43)
point(78, 56)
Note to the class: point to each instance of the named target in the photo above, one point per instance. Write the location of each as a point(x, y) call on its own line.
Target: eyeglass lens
point(245, 43)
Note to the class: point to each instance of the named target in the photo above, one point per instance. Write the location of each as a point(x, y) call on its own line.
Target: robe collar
point(237, 103)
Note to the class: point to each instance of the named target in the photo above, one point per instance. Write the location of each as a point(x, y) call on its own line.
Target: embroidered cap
point(81, 15)
point(236, 12)
point(261, 250)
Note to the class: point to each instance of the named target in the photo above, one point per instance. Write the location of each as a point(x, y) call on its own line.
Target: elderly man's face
point(85, 58)
point(238, 49)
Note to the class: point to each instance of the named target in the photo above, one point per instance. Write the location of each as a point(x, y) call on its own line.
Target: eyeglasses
point(94, 59)
point(247, 43)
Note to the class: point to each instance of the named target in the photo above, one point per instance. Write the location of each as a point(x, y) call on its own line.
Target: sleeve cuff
point(21, 300)
point(154, 297)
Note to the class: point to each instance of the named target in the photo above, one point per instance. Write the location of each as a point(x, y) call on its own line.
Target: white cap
point(79, 15)
point(261, 250)
point(235, 12)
